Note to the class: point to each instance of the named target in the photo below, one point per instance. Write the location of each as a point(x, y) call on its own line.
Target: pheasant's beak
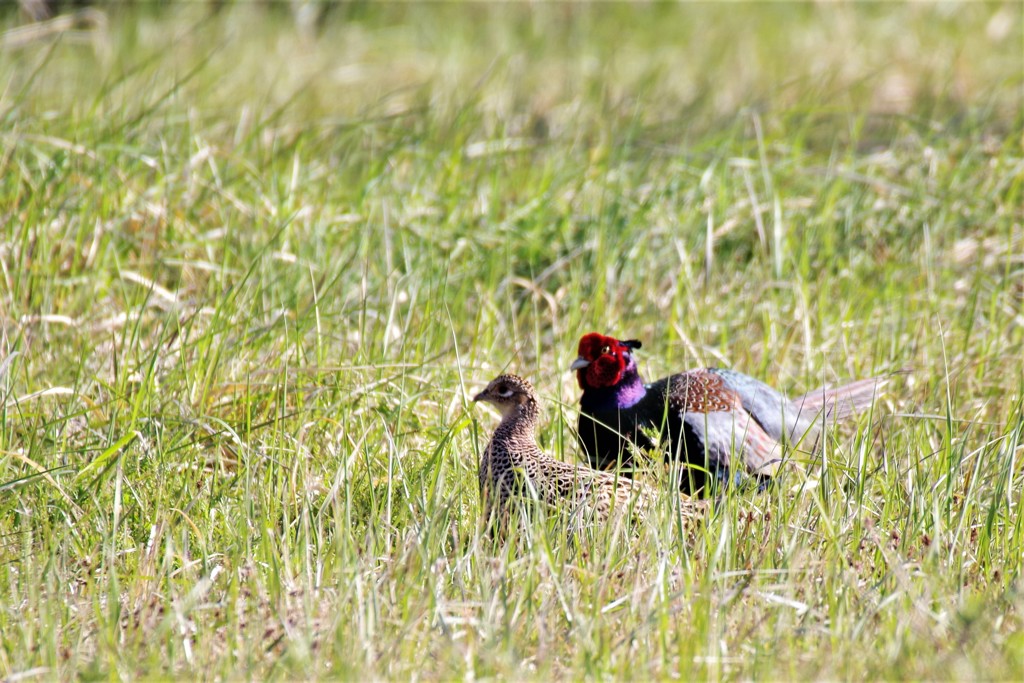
point(579, 363)
point(481, 396)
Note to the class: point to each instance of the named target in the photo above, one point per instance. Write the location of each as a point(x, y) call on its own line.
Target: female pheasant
point(703, 416)
point(512, 466)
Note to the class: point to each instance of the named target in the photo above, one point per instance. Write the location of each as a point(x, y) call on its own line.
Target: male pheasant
point(512, 466)
point(703, 416)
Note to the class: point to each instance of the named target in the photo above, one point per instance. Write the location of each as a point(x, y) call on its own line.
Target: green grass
point(252, 275)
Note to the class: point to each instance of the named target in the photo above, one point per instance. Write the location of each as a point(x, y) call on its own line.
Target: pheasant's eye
point(504, 391)
point(606, 349)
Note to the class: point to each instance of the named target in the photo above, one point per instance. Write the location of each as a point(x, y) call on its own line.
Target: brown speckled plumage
point(512, 465)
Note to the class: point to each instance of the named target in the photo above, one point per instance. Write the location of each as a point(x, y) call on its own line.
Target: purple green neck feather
point(628, 392)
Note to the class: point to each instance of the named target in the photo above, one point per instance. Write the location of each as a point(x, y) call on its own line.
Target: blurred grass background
point(255, 255)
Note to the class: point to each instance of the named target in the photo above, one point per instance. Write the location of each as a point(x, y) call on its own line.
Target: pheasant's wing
point(714, 439)
point(702, 416)
point(723, 434)
point(762, 454)
point(700, 391)
point(779, 417)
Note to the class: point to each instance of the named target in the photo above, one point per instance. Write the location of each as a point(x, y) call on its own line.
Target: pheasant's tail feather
point(839, 403)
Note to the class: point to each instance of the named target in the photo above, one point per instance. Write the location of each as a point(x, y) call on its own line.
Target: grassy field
point(251, 270)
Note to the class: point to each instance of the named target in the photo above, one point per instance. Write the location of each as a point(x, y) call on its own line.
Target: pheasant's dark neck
point(627, 393)
point(630, 390)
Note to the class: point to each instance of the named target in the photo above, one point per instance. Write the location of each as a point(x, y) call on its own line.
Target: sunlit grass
point(253, 273)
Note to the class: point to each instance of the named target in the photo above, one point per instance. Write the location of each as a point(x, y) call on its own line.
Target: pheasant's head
point(507, 393)
point(602, 360)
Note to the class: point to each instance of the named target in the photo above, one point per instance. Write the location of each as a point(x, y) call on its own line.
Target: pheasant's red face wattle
point(607, 359)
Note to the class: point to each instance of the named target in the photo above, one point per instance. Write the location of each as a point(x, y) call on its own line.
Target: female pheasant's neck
point(523, 418)
point(515, 433)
